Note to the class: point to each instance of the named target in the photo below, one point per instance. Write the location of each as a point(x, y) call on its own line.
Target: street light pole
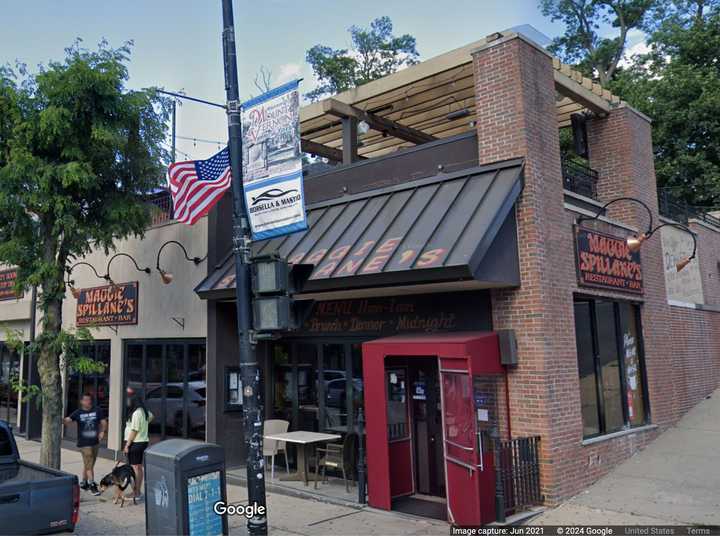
point(250, 372)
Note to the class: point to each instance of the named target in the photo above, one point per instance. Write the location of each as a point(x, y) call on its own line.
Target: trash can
point(183, 481)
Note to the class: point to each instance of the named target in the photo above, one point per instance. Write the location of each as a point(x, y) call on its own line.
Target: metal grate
point(517, 475)
point(162, 210)
point(579, 178)
point(671, 206)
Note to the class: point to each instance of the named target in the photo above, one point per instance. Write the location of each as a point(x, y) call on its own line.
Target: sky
point(177, 43)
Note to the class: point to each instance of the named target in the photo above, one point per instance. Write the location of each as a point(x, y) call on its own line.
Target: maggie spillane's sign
point(605, 261)
point(111, 305)
point(7, 285)
point(272, 163)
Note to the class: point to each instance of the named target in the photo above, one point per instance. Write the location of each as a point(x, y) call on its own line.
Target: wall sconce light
point(167, 277)
point(634, 243)
point(71, 284)
point(107, 277)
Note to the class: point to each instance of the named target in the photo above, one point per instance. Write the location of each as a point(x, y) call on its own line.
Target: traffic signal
point(274, 282)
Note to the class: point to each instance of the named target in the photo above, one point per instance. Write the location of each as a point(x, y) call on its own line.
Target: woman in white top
point(136, 436)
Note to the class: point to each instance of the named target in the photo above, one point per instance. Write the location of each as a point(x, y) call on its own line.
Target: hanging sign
point(605, 261)
point(110, 305)
point(7, 285)
point(272, 163)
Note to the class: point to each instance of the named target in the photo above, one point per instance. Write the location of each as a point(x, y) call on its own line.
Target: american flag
point(196, 185)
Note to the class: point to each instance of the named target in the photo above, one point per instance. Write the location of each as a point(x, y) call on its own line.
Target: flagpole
point(250, 372)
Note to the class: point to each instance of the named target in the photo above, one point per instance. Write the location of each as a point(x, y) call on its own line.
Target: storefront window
point(335, 384)
point(610, 366)
point(9, 369)
point(96, 385)
point(171, 374)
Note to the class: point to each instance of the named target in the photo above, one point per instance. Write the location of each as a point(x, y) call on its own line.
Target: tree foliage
point(583, 43)
point(678, 85)
point(78, 153)
point(375, 53)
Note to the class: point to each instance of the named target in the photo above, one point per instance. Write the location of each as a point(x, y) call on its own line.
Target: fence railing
point(579, 178)
point(671, 206)
point(162, 208)
point(517, 475)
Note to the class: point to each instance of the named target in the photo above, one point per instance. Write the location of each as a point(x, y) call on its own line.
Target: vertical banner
point(272, 163)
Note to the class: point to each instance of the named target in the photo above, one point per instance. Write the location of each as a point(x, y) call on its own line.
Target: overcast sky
point(177, 42)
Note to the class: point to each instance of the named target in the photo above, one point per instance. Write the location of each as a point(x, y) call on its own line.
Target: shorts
point(89, 455)
point(135, 454)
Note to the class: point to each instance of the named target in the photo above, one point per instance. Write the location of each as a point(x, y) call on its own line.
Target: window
point(171, 374)
point(610, 365)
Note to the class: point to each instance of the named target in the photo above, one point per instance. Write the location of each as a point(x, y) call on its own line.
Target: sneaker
point(84, 485)
point(94, 489)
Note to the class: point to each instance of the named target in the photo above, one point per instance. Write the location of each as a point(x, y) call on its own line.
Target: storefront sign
point(605, 261)
point(108, 305)
point(454, 311)
point(272, 163)
point(685, 285)
point(7, 285)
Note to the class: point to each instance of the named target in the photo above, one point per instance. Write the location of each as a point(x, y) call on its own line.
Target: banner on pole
point(272, 163)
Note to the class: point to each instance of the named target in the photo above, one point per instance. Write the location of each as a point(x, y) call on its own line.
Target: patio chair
point(272, 447)
point(342, 457)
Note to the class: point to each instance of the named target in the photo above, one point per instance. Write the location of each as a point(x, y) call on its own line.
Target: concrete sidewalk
point(674, 481)
point(287, 515)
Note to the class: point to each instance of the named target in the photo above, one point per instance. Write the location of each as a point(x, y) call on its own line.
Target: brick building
point(458, 217)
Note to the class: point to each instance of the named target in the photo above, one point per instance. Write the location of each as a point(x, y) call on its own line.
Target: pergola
point(428, 101)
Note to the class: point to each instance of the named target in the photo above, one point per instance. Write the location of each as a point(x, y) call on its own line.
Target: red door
point(463, 461)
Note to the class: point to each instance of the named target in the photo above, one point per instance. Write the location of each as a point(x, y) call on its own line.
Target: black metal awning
point(450, 227)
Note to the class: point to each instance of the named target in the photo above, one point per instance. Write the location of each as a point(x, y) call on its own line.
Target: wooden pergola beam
point(393, 128)
point(567, 87)
point(318, 149)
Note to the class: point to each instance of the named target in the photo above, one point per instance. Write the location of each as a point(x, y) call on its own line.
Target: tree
point(582, 44)
point(678, 85)
point(78, 151)
point(375, 53)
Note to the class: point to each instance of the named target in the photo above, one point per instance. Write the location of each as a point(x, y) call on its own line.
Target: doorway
point(414, 412)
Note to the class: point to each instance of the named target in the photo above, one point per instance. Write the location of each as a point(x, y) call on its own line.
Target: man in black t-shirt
point(91, 426)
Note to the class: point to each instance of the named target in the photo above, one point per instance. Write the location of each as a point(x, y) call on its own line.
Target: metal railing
point(162, 209)
point(579, 178)
point(671, 206)
point(517, 475)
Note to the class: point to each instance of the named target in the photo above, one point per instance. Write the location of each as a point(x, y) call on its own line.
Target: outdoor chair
point(342, 457)
point(272, 447)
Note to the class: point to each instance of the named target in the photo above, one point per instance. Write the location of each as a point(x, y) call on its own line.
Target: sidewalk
point(674, 481)
point(287, 515)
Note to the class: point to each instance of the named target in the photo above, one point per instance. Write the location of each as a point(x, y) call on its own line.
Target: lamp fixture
point(71, 284)
point(107, 277)
point(635, 242)
point(167, 277)
point(458, 114)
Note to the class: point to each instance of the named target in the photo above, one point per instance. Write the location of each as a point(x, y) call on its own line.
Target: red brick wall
point(515, 98)
point(696, 356)
point(516, 117)
point(708, 256)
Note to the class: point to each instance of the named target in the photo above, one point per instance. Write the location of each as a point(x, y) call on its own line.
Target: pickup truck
point(33, 498)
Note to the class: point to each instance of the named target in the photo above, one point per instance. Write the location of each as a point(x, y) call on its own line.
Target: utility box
point(183, 481)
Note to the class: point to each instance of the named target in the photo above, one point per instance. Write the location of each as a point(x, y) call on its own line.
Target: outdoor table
point(302, 439)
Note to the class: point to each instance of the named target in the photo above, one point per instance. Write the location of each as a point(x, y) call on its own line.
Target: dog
point(121, 477)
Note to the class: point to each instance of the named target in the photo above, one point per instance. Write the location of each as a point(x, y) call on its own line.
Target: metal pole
point(173, 129)
point(250, 372)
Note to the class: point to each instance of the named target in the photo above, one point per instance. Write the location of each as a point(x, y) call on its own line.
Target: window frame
point(635, 309)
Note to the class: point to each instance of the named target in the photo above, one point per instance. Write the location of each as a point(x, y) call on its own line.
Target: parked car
point(33, 498)
point(196, 399)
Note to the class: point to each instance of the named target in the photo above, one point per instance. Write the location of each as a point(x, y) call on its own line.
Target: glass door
point(9, 370)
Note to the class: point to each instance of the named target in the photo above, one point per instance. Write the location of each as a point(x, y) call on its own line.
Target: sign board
point(272, 163)
point(203, 491)
point(7, 284)
point(109, 305)
point(685, 285)
point(605, 261)
point(421, 313)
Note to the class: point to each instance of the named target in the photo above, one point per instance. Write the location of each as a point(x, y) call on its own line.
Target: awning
point(450, 227)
